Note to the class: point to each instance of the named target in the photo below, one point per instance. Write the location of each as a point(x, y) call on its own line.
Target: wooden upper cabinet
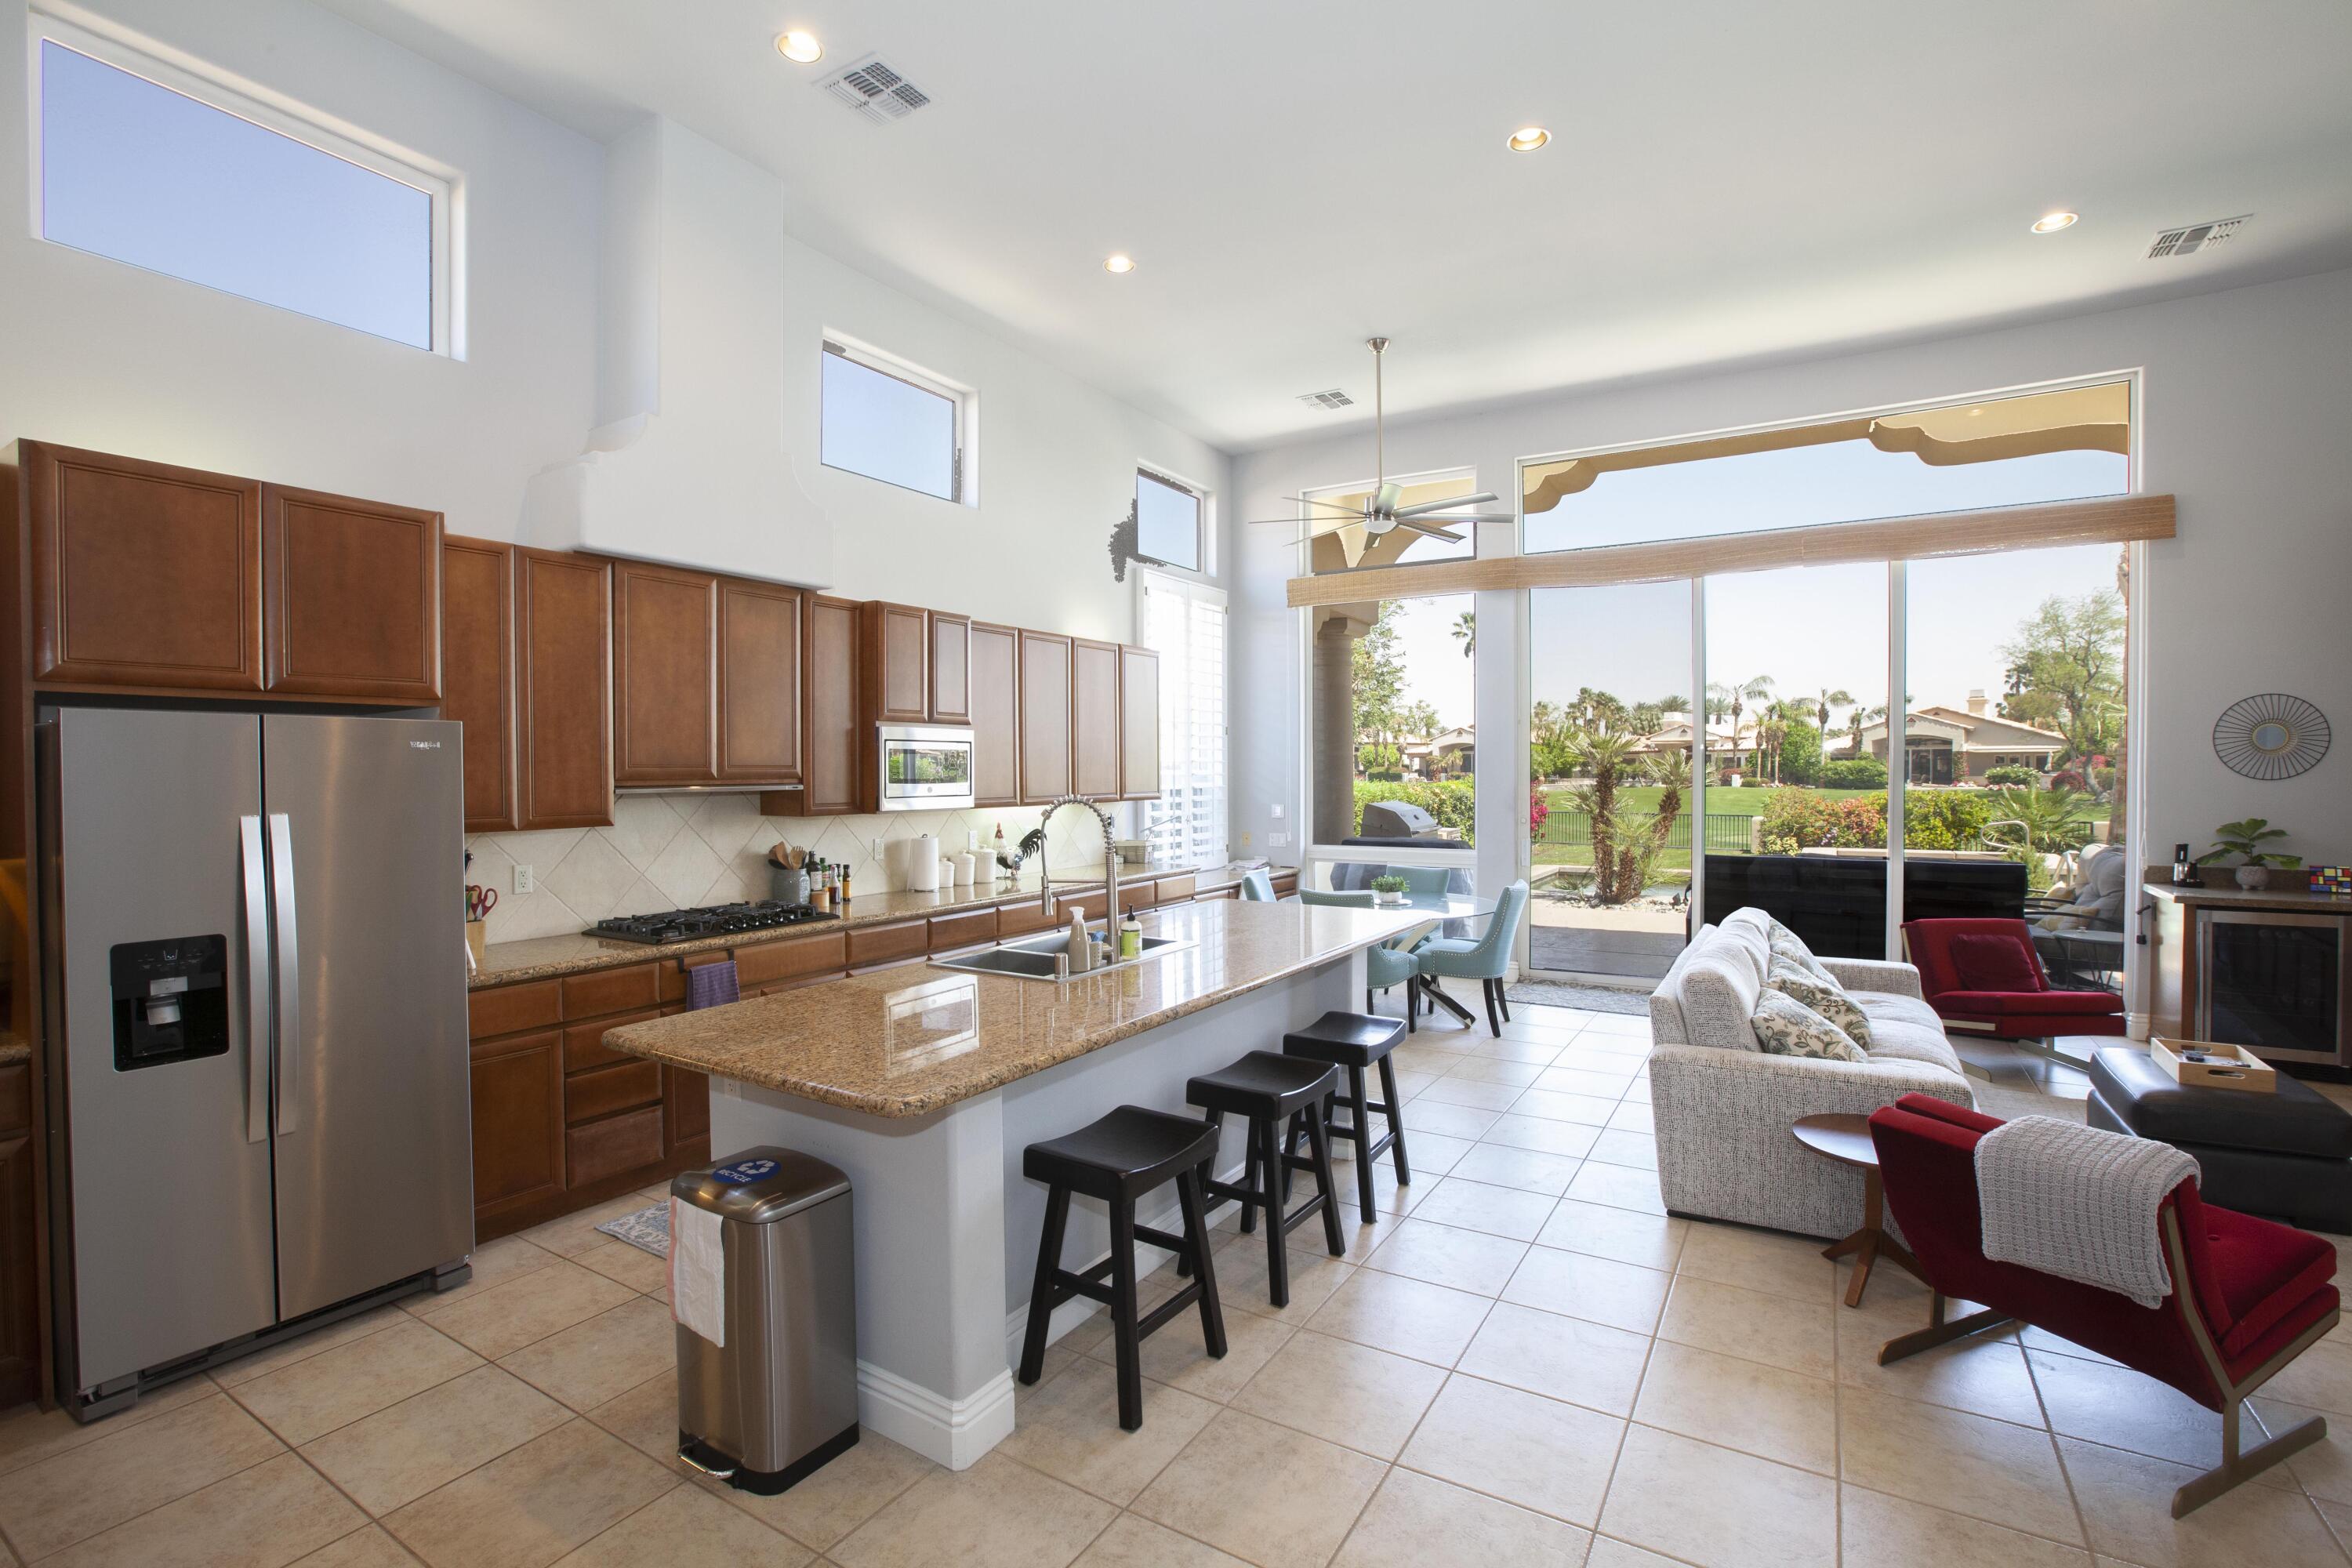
point(1139, 720)
point(1095, 741)
point(478, 672)
point(950, 669)
point(351, 597)
point(142, 575)
point(829, 720)
point(563, 689)
point(1044, 717)
point(759, 682)
point(994, 668)
point(664, 667)
point(896, 662)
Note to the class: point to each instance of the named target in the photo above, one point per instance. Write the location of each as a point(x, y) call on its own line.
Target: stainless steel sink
point(1032, 957)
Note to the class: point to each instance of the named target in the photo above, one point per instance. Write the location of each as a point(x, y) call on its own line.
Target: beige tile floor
point(1520, 1360)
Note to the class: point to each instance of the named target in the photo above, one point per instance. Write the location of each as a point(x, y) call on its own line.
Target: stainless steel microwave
point(926, 767)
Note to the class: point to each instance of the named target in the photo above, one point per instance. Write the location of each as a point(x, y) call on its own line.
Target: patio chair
point(2247, 1298)
point(1485, 960)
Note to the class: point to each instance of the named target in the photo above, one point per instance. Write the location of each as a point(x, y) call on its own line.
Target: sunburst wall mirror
point(2273, 736)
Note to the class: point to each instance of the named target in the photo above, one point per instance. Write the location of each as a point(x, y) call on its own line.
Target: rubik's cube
point(2333, 880)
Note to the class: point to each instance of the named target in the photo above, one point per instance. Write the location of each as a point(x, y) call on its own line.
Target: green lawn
point(1746, 800)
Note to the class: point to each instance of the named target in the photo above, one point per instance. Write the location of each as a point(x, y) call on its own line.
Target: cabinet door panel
point(351, 596)
point(518, 1122)
point(563, 684)
point(142, 575)
point(759, 682)
point(1044, 717)
point(20, 1308)
point(897, 654)
point(686, 1110)
point(664, 653)
point(1093, 719)
point(995, 703)
point(478, 672)
point(829, 745)
point(950, 669)
point(1139, 720)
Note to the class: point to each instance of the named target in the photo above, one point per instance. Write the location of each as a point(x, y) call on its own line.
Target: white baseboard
point(950, 1431)
point(2137, 1025)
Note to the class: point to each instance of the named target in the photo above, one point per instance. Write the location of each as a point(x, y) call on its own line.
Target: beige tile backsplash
point(678, 851)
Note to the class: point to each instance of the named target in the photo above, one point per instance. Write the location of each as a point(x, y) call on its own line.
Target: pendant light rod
point(1380, 418)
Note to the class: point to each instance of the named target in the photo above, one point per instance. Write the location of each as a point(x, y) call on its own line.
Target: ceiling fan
point(1379, 513)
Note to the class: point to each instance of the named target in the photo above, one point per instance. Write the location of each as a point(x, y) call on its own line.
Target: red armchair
point(1984, 975)
point(2248, 1296)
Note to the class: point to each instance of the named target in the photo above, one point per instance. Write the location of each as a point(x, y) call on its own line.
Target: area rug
point(647, 1230)
point(1590, 998)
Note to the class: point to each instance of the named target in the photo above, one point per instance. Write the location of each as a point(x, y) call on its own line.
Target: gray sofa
point(1722, 1108)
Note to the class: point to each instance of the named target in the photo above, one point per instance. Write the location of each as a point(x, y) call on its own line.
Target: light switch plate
point(526, 879)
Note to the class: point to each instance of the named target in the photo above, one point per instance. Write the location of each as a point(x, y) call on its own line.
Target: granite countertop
point(14, 1047)
point(544, 958)
point(907, 1041)
point(2221, 889)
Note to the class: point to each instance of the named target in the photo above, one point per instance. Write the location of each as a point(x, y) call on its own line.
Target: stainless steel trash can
point(779, 1398)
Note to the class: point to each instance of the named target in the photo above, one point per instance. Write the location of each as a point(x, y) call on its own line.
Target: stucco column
point(1333, 721)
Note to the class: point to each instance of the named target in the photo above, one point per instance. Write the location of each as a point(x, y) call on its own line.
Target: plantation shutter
point(1185, 623)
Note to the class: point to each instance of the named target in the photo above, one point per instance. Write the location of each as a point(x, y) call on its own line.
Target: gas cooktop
point(717, 920)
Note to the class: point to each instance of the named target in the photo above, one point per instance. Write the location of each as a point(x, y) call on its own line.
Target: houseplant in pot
point(2245, 839)
point(1389, 890)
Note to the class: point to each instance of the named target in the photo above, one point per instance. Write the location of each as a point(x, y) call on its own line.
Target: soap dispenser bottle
point(1130, 935)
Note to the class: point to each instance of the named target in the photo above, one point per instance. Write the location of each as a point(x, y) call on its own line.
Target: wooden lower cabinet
point(20, 1315)
point(518, 1083)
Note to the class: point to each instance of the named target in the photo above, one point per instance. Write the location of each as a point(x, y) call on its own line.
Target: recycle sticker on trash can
point(744, 1171)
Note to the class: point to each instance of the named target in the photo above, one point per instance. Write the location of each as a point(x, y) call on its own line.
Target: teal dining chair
point(1257, 886)
point(1424, 881)
point(1485, 960)
point(1358, 900)
point(1386, 964)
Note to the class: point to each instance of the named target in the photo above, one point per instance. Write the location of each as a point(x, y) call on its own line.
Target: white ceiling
point(1728, 181)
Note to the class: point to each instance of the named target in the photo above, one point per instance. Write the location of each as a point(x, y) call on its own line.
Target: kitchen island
point(926, 1084)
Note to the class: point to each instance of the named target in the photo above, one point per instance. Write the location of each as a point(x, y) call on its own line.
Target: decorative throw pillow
point(1787, 1027)
point(1822, 995)
point(1786, 944)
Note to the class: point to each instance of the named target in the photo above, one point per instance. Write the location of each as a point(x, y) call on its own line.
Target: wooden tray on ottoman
point(2240, 1069)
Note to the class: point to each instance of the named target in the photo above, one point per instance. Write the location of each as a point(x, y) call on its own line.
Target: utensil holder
point(478, 938)
point(787, 886)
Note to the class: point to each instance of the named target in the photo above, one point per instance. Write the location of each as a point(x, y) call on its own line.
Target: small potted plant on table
point(1389, 891)
point(2245, 839)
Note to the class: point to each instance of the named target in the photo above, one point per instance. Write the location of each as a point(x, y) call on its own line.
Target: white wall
point(2246, 418)
point(96, 353)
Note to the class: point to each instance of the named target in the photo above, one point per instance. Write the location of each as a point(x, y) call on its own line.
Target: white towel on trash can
point(2079, 1203)
point(697, 1270)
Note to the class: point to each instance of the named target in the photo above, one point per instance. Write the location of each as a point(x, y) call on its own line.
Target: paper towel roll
point(922, 864)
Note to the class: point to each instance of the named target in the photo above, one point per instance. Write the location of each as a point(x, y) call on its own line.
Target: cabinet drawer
point(15, 1098)
point(1177, 890)
point(503, 1009)
point(611, 991)
point(607, 1148)
point(1091, 904)
point(1216, 893)
point(951, 931)
point(670, 976)
point(589, 1095)
point(1284, 884)
point(879, 944)
point(583, 1044)
point(1013, 918)
point(773, 960)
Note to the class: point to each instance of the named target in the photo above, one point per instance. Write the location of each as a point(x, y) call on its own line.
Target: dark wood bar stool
point(1119, 1158)
point(1354, 1043)
point(1270, 1091)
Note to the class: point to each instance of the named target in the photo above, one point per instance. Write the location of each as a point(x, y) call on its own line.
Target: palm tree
point(1465, 632)
point(1736, 697)
point(1859, 717)
point(1827, 700)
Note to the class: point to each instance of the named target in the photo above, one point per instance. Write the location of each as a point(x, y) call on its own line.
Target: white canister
point(964, 868)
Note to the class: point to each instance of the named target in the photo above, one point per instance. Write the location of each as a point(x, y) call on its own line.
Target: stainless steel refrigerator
point(254, 954)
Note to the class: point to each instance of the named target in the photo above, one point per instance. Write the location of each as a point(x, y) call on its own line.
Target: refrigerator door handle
point(257, 982)
point(289, 973)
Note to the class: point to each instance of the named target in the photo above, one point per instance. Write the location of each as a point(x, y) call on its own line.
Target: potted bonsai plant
point(1389, 890)
point(2245, 839)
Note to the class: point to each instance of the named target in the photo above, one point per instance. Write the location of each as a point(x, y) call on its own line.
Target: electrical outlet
point(1277, 840)
point(526, 879)
point(1246, 840)
point(1277, 811)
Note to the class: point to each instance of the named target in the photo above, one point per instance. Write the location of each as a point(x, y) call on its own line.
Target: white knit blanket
point(2079, 1203)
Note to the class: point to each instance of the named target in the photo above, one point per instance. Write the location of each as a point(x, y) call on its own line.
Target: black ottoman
point(2285, 1155)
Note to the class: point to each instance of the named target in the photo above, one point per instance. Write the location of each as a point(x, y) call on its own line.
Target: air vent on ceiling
point(875, 90)
point(1335, 398)
point(2196, 236)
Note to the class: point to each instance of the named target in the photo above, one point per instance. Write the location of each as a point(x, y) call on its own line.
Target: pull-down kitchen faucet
point(1110, 860)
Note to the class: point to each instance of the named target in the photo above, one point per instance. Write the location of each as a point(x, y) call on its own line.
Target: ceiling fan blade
point(1420, 527)
point(1336, 505)
point(1451, 519)
point(1453, 503)
point(1328, 533)
point(1322, 524)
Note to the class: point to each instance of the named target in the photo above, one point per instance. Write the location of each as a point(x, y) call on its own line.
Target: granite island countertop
point(546, 957)
point(907, 1041)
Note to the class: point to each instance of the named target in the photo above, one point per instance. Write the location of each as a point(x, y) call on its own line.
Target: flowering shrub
point(1536, 811)
point(1932, 819)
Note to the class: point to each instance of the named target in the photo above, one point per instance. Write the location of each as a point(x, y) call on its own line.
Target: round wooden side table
point(1845, 1137)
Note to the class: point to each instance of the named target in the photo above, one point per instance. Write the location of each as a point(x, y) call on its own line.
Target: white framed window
point(1170, 518)
point(153, 164)
point(890, 421)
point(1185, 623)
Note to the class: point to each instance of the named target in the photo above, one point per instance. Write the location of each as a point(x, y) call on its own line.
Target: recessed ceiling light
point(1527, 138)
point(2050, 223)
point(801, 48)
point(1119, 264)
